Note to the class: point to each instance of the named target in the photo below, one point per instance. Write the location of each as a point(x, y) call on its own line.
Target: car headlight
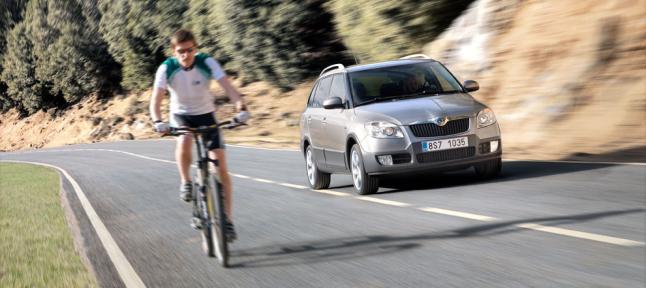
point(486, 118)
point(381, 129)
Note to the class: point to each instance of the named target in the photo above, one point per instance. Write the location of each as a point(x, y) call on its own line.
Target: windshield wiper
point(378, 99)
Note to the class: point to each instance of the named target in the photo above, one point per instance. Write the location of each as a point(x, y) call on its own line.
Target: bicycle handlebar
point(202, 129)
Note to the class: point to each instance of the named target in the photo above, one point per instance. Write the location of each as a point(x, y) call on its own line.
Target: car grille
point(446, 155)
point(433, 130)
point(401, 158)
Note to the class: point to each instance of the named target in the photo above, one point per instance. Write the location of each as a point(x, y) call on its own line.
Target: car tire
point(316, 178)
point(363, 183)
point(489, 168)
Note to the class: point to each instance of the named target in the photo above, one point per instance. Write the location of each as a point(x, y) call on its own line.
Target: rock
point(96, 120)
point(126, 136)
point(141, 125)
point(292, 122)
point(117, 120)
point(264, 133)
point(101, 131)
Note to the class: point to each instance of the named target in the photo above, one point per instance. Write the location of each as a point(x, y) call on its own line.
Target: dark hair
point(180, 36)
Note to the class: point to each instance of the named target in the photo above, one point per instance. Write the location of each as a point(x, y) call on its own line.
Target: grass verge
point(36, 247)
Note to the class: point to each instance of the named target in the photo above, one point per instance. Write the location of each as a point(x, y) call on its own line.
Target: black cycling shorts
point(213, 139)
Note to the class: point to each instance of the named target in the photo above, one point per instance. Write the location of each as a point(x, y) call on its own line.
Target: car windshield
point(403, 81)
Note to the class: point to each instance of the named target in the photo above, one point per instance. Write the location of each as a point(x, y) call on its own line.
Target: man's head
point(184, 47)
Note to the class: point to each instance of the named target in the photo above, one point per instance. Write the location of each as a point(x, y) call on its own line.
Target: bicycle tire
point(218, 222)
point(207, 233)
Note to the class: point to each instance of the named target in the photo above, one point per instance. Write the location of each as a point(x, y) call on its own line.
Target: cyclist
point(186, 76)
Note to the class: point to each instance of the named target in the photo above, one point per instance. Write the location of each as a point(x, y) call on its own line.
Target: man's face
point(185, 53)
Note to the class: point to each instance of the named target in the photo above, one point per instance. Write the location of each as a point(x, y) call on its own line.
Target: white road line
point(263, 180)
point(262, 148)
point(577, 162)
point(383, 201)
point(457, 214)
point(240, 176)
point(124, 268)
point(582, 235)
point(330, 192)
point(532, 226)
point(292, 185)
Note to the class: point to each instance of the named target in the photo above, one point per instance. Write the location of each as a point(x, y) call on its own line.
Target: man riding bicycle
point(186, 76)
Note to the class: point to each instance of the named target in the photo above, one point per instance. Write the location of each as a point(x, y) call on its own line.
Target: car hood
point(416, 110)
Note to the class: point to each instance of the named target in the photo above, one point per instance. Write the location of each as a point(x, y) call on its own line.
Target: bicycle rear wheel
point(218, 221)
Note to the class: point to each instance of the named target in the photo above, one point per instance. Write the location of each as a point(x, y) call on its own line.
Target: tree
point(137, 33)
point(11, 12)
point(68, 55)
point(200, 20)
point(282, 42)
point(387, 29)
point(24, 90)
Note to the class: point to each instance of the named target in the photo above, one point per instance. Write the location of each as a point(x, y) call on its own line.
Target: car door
point(315, 119)
point(335, 123)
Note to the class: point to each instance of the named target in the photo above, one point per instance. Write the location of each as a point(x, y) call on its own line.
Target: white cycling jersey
point(189, 88)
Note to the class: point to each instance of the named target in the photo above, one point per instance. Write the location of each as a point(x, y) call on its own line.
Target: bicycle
point(208, 208)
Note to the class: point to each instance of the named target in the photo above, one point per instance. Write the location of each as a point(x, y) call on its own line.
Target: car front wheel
point(364, 183)
point(316, 178)
point(489, 168)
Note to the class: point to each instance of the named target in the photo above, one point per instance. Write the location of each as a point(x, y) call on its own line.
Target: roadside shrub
point(137, 33)
point(377, 30)
point(282, 42)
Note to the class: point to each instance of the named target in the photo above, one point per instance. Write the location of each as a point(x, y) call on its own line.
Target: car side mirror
point(333, 103)
point(471, 86)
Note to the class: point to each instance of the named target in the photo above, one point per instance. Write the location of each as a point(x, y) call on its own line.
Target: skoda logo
point(440, 121)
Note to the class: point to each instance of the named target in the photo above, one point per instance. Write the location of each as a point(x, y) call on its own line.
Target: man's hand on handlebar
point(161, 127)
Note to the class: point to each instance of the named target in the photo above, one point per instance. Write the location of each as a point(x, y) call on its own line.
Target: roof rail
point(416, 56)
point(332, 67)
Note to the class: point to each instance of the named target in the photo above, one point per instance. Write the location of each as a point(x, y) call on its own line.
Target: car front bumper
point(411, 159)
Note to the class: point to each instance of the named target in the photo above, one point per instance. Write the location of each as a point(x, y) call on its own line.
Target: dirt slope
point(564, 77)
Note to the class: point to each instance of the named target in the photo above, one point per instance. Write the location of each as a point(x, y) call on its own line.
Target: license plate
point(445, 144)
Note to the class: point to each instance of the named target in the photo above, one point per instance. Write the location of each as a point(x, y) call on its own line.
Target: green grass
point(36, 247)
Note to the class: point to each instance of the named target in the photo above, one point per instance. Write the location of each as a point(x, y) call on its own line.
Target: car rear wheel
point(364, 183)
point(489, 168)
point(316, 178)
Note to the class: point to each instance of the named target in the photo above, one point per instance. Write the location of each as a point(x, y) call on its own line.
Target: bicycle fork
point(200, 213)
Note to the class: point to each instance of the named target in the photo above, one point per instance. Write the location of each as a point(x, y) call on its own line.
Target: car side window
point(322, 92)
point(310, 100)
point(338, 87)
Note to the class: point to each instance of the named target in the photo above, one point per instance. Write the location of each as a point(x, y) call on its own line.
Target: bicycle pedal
point(196, 223)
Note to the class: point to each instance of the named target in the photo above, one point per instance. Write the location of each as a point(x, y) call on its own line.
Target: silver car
point(405, 116)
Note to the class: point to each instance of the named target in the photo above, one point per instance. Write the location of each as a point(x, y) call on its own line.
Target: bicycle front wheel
point(215, 204)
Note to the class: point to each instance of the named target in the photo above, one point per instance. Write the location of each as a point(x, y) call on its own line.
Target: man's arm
point(232, 92)
point(155, 104)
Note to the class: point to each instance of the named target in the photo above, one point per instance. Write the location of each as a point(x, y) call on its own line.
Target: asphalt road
point(540, 224)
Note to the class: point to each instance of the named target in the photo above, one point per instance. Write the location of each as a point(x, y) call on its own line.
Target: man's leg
point(183, 159)
point(223, 171)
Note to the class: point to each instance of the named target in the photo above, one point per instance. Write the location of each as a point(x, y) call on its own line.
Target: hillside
point(567, 80)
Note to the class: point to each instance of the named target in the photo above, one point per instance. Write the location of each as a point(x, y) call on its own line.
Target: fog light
point(494, 146)
point(386, 160)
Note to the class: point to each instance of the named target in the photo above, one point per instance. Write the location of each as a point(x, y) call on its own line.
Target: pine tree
point(388, 29)
point(282, 42)
point(138, 32)
point(11, 12)
point(24, 90)
point(67, 54)
point(200, 21)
